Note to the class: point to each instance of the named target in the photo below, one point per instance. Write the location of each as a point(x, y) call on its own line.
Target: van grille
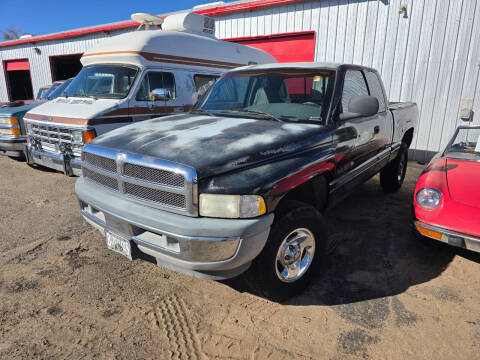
point(50, 136)
point(166, 188)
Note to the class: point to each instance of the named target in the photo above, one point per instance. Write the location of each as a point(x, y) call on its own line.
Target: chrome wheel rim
point(295, 255)
point(401, 168)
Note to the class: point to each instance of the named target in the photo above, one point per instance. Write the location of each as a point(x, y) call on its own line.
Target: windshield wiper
point(257, 112)
point(201, 111)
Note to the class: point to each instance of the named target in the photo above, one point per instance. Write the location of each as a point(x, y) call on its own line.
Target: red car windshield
point(465, 145)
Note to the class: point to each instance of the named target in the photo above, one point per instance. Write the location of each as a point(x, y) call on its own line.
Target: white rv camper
point(132, 77)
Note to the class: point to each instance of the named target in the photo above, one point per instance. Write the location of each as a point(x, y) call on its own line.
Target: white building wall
point(39, 63)
point(430, 56)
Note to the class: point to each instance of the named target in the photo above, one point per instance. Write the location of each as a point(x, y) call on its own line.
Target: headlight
point(429, 198)
point(4, 120)
point(231, 206)
point(77, 137)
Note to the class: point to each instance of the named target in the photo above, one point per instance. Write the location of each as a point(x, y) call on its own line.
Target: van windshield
point(59, 90)
point(103, 81)
point(296, 95)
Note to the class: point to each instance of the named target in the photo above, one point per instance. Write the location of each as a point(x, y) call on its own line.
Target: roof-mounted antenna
point(146, 20)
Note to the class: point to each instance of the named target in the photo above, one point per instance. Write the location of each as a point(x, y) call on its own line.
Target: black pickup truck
point(241, 181)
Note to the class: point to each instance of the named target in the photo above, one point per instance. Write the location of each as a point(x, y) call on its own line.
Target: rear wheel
point(294, 253)
point(393, 175)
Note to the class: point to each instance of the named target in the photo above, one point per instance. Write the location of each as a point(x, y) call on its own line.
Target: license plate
point(119, 244)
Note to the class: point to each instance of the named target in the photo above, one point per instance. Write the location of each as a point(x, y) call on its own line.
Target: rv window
point(155, 80)
point(203, 82)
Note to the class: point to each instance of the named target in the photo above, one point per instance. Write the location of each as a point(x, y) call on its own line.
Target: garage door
point(18, 79)
point(284, 47)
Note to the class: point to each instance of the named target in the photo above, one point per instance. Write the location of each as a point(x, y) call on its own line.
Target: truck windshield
point(103, 81)
point(59, 90)
point(465, 145)
point(281, 94)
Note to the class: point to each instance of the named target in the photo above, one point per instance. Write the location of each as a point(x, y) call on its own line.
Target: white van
point(132, 77)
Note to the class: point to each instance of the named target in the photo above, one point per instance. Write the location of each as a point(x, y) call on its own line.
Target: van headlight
point(77, 137)
point(429, 198)
point(231, 206)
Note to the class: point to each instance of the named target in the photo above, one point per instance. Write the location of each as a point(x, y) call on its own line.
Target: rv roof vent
point(208, 5)
point(26, 36)
point(147, 20)
point(190, 22)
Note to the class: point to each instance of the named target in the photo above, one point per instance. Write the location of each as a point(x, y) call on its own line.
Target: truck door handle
point(376, 129)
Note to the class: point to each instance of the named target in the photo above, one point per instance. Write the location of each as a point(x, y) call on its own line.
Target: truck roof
point(178, 48)
point(302, 65)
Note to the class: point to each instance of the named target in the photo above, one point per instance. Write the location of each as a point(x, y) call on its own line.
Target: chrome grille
point(160, 183)
point(155, 195)
point(50, 134)
point(100, 162)
point(104, 180)
point(154, 175)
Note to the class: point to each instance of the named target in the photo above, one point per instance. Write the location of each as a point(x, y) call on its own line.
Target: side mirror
point(360, 106)
point(160, 94)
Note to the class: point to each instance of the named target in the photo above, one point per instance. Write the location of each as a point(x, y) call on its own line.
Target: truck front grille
point(154, 175)
point(158, 183)
point(50, 136)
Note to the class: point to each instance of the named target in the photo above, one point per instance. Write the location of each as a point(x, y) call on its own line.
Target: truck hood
point(75, 110)
point(12, 110)
point(212, 144)
point(463, 177)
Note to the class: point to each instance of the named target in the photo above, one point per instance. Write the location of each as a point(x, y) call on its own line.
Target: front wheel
point(293, 255)
point(393, 175)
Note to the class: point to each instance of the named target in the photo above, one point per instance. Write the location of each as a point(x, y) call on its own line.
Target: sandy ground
point(384, 296)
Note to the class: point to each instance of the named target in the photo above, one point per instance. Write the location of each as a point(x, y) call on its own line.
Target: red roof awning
point(13, 65)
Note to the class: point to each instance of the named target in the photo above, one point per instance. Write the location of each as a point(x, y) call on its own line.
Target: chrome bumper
point(68, 165)
point(447, 236)
point(200, 247)
point(12, 145)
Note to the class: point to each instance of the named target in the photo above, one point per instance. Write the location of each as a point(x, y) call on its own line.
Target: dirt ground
point(384, 296)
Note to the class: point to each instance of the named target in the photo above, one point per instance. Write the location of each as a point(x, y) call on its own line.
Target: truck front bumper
point(202, 247)
point(12, 145)
point(57, 161)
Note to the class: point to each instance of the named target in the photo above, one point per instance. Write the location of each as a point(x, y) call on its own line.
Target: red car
point(446, 201)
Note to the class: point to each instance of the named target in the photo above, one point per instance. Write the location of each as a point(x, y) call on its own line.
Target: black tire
point(393, 175)
point(263, 276)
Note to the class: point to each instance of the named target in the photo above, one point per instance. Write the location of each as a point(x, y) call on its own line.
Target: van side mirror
point(160, 94)
point(360, 106)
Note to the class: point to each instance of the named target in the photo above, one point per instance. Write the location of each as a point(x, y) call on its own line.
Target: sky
point(39, 17)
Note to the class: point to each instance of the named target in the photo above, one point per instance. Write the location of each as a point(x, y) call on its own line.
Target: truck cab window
point(203, 82)
point(354, 85)
point(376, 89)
point(155, 80)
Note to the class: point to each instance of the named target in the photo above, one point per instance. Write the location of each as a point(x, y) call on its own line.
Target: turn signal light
point(88, 135)
point(15, 126)
point(429, 233)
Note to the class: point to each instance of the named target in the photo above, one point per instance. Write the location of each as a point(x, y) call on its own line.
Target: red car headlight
point(429, 198)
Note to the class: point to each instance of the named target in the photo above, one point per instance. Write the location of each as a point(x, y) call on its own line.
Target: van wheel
point(393, 175)
point(294, 253)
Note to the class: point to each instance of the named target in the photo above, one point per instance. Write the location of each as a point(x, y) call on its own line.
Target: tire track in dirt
point(172, 316)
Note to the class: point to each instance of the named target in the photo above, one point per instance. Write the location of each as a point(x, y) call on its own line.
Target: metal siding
point(431, 56)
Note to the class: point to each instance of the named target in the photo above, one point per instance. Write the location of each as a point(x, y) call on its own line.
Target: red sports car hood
point(463, 178)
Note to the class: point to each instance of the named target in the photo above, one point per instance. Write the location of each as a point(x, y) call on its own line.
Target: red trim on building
point(221, 10)
point(271, 36)
point(249, 6)
point(12, 65)
point(70, 34)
